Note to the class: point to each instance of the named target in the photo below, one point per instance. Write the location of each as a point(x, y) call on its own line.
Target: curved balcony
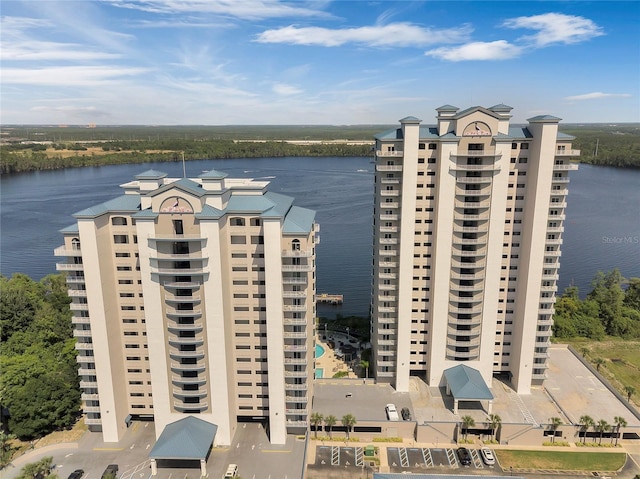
point(459, 167)
point(474, 179)
point(477, 275)
point(478, 287)
point(461, 192)
point(178, 341)
point(184, 327)
point(475, 330)
point(462, 343)
point(177, 354)
point(456, 263)
point(172, 298)
point(196, 393)
point(176, 237)
point(183, 406)
point(179, 271)
point(181, 284)
point(189, 313)
point(457, 240)
point(458, 215)
point(470, 229)
point(195, 256)
point(469, 254)
point(187, 367)
point(459, 310)
point(486, 153)
point(477, 298)
point(183, 380)
point(452, 355)
point(472, 204)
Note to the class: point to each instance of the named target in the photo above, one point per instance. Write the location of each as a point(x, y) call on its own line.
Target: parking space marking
point(426, 454)
point(359, 456)
point(476, 458)
point(404, 461)
point(335, 455)
point(451, 457)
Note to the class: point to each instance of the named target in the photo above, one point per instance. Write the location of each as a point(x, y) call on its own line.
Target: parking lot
point(399, 459)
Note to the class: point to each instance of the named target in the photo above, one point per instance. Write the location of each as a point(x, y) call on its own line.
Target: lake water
point(602, 230)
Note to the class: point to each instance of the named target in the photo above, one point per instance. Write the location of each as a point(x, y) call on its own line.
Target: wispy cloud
point(556, 28)
point(244, 9)
point(400, 34)
point(42, 50)
point(68, 75)
point(73, 111)
point(498, 50)
point(596, 96)
point(286, 90)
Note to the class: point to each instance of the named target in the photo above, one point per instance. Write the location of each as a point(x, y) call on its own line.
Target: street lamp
point(347, 333)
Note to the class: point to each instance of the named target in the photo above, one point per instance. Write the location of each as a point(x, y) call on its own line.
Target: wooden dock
point(329, 298)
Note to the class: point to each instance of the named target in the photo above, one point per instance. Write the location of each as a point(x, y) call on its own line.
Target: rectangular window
point(120, 239)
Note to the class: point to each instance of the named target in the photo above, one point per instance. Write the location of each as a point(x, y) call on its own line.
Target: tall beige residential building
point(194, 297)
point(468, 225)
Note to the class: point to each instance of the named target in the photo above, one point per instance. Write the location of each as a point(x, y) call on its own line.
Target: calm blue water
point(319, 351)
point(602, 228)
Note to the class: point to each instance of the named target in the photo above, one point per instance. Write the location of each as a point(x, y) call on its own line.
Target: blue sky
point(222, 62)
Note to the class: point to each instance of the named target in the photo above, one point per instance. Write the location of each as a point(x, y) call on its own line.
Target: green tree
point(554, 424)
point(602, 426)
point(6, 448)
point(329, 422)
point(494, 423)
point(586, 422)
point(38, 470)
point(632, 294)
point(20, 297)
point(348, 421)
point(599, 362)
point(619, 423)
point(608, 293)
point(630, 390)
point(365, 365)
point(467, 423)
point(316, 420)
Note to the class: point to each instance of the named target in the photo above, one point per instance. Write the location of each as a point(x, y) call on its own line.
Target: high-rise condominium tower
point(468, 225)
point(193, 297)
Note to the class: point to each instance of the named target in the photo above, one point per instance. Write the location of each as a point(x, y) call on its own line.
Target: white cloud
point(73, 111)
point(498, 50)
point(42, 50)
point(286, 90)
point(597, 95)
point(67, 75)
point(391, 35)
point(556, 28)
point(243, 9)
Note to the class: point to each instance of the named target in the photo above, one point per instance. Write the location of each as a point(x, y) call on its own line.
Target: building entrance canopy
point(466, 384)
point(189, 439)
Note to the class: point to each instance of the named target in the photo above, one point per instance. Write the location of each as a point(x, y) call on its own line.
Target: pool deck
point(329, 363)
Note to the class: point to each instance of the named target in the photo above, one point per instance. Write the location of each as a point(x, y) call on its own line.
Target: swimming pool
point(319, 373)
point(319, 351)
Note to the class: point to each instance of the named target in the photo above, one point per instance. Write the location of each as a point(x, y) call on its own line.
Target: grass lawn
point(565, 461)
point(622, 361)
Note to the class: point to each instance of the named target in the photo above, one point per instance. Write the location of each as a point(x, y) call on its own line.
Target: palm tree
point(585, 423)
point(630, 390)
point(554, 424)
point(348, 421)
point(599, 362)
point(602, 426)
point(365, 365)
point(467, 422)
point(329, 422)
point(494, 423)
point(620, 422)
point(316, 420)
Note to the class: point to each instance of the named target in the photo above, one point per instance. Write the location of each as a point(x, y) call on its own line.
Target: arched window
point(295, 245)
point(75, 243)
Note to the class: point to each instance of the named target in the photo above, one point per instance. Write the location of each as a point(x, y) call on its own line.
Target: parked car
point(487, 456)
point(405, 413)
point(77, 474)
point(110, 472)
point(232, 471)
point(392, 412)
point(464, 457)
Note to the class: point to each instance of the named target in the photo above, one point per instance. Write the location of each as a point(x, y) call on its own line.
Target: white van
point(232, 471)
point(392, 412)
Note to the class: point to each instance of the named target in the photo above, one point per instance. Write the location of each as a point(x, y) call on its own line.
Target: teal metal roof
point(213, 174)
point(467, 383)
point(248, 204)
point(473, 109)
point(151, 175)
point(188, 438)
point(298, 220)
point(501, 107)
point(544, 118)
point(519, 132)
point(70, 229)
point(410, 119)
point(565, 136)
point(281, 204)
point(184, 184)
point(124, 203)
point(148, 213)
point(447, 108)
point(392, 134)
point(428, 132)
point(209, 212)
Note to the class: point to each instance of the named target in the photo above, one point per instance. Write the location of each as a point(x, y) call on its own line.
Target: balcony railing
point(296, 268)
point(186, 367)
point(388, 229)
point(183, 406)
point(188, 393)
point(459, 167)
point(294, 280)
point(295, 387)
point(389, 154)
point(65, 251)
point(392, 206)
point(294, 321)
point(295, 307)
point(296, 374)
point(175, 237)
point(452, 354)
point(69, 267)
point(195, 256)
point(387, 217)
point(474, 179)
point(296, 253)
point(459, 310)
point(489, 152)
